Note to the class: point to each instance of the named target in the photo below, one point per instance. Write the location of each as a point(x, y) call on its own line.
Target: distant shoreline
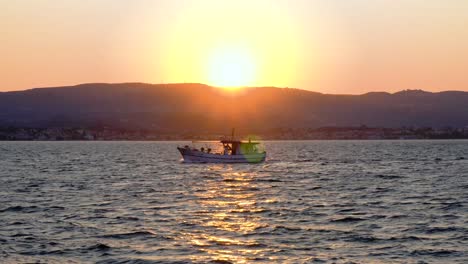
point(324, 133)
point(263, 140)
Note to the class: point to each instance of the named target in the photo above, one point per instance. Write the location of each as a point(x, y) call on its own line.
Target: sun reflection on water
point(229, 215)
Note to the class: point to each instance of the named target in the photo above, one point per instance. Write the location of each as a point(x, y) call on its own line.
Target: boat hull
point(194, 156)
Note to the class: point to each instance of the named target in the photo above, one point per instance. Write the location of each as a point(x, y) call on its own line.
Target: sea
point(310, 202)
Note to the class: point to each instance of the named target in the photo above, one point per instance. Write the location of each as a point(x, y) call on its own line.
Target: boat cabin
point(237, 147)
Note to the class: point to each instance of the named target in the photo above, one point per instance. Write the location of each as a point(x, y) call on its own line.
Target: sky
point(328, 46)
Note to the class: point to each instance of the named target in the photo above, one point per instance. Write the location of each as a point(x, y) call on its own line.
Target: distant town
point(324, 133)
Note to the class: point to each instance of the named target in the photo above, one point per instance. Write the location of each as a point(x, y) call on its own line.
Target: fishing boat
point(233, 151)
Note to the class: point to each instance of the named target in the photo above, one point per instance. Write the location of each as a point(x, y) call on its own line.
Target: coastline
point(324, 133)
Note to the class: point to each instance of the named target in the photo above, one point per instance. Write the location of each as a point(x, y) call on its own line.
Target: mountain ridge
point(199, 106)
point(93, 85)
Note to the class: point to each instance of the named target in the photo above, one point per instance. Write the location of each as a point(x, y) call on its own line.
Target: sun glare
point(231, 68)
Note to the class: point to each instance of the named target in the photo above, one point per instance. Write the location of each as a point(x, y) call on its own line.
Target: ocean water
point(310, 202)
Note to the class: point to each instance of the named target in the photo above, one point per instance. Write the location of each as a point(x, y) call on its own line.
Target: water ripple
point(311, 202)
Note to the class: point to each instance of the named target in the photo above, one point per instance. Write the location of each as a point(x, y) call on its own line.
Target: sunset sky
point(332, 46)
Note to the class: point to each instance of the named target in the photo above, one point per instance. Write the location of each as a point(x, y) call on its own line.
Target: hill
point(198, 107)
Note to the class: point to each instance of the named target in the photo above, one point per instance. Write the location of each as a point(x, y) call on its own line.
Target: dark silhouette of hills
point(197, 107)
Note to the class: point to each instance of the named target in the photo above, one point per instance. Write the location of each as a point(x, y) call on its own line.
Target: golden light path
point(231, 208)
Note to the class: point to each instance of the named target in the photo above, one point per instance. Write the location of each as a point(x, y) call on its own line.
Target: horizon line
point(225, 87)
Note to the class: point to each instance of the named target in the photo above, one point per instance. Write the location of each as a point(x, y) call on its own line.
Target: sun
point(231, 67)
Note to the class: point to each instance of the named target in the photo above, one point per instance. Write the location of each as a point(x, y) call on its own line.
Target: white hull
point(192, 156)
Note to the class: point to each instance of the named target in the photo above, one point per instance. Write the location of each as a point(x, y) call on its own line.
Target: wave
point(303, 160)
point(435, 252)
point(268, 180)
point(388, 177)
point(286, 228)
point(127, 218)
point(444, 230)
point(363, 239)
point(348, 219)
point(130, 235)
point(220, 261)
point(452, 206)
point(99, 247)
point(22, 209)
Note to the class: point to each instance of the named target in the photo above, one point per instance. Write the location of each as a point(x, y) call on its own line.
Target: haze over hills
point(198, 107)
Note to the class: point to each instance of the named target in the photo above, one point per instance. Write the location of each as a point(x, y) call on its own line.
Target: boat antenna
point(232, 133)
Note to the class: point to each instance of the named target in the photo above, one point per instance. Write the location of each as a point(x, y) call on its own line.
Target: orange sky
point(334, 46)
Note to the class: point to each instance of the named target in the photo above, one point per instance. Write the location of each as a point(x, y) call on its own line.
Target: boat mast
point(232, 133)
